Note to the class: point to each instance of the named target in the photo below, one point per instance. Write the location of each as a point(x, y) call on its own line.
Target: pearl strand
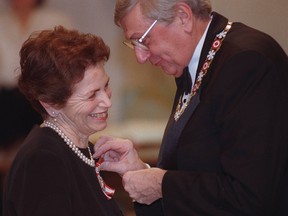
point(74, 148)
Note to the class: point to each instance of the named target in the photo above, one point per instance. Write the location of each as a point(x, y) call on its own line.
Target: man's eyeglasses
point(139, 42)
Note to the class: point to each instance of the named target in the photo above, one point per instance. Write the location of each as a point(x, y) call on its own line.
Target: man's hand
point(144, 186)
point(117, 155)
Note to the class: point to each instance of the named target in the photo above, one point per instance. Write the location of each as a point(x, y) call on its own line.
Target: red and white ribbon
point(107, 190)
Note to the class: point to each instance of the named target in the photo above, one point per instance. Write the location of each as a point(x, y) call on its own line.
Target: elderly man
point(225, 147)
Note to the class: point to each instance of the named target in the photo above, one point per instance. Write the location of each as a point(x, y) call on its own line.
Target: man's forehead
point(134, 22)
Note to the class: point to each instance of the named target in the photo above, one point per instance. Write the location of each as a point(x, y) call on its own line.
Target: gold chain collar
point(185, 98)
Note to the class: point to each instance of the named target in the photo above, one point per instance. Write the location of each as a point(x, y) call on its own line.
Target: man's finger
point(112, 167)
point(101, 146)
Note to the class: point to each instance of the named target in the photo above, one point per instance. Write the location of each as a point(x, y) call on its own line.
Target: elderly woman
point(63, 76)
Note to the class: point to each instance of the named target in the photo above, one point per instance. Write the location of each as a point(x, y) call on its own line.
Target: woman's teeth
point(98, 115)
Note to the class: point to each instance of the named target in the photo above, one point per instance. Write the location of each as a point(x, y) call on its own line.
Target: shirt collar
point(193, 64)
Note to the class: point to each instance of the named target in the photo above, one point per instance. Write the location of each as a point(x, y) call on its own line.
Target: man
point(225, 147)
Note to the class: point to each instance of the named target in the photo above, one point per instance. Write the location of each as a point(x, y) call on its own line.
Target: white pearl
point(74, 148)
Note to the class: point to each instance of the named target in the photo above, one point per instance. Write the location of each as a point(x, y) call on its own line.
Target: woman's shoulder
point(42, 145)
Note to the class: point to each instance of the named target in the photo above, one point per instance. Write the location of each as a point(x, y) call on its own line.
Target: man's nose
point(142, 55)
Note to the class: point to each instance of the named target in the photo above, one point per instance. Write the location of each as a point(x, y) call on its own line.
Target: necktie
point(184, 83)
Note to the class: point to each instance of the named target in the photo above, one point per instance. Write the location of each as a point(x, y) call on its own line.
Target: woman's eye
point(92, 95)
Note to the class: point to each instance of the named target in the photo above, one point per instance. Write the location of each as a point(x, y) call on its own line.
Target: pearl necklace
point(74, 148)
point(107, 190)
point(185, 99)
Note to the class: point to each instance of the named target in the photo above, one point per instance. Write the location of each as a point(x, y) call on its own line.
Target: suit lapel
point(217, 24)
point(167, 158)
point(173, 129)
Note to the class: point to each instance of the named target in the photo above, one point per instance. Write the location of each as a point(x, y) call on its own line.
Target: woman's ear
point(50, 109)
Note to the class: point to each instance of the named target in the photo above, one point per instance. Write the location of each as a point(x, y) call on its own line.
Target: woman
point(63, 76)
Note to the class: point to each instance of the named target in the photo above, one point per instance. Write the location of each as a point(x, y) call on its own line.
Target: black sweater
point(48, 178)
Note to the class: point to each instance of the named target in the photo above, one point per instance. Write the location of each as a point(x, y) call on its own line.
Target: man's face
point(165, 42)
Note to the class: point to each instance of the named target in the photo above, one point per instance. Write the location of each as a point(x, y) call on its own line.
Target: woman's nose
point(142, 55)
point(106, 100)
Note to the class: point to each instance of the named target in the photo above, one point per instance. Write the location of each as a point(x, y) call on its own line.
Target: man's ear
point(185, 14)
point(52, 111)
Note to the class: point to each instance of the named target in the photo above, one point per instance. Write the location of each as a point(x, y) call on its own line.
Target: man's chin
point(174, 73)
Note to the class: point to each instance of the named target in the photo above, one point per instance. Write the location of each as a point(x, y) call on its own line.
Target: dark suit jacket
point(231, 154)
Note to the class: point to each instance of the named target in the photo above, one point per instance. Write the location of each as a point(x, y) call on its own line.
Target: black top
point(48, 178)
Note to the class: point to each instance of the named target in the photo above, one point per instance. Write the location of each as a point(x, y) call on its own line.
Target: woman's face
point(86, 111)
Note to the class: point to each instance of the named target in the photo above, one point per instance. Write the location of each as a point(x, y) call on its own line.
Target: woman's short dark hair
point(53, 61)
point(39, 3)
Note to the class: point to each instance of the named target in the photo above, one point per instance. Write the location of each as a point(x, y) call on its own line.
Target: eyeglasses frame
point(139, 42)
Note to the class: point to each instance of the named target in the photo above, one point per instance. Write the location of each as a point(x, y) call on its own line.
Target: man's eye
point(107, 86)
